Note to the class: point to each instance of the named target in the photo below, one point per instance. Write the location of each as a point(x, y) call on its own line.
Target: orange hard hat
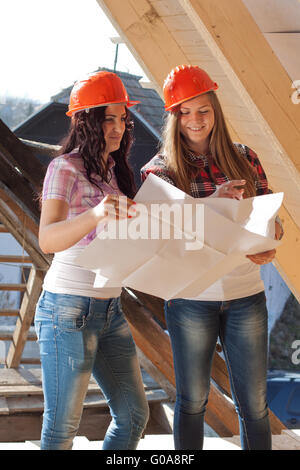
point(185, 82)
point(98, 89)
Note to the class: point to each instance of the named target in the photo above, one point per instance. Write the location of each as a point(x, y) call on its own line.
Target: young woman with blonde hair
point(197, 156)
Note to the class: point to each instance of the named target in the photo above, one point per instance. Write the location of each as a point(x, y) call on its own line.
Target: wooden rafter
point(19, 156)
point(23, 235)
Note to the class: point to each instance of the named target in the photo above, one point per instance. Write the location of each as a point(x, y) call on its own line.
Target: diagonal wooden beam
point(146, 36)
point(24, 236)
point(22, 190)
point(16, 154)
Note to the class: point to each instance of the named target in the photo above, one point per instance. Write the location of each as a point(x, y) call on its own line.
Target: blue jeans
point(79, 336)
point(242, 327)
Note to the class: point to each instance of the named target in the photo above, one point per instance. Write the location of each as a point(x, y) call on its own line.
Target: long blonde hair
point(223, 152)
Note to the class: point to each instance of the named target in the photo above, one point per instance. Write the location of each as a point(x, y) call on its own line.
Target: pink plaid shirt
point(66, 180)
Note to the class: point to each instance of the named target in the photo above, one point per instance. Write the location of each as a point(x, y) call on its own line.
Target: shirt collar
point(200, 158)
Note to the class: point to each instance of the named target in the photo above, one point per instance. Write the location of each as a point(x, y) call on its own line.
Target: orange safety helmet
point(185, 82)
point(98, 89)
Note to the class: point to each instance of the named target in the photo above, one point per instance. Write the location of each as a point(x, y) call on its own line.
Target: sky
point(46, 45)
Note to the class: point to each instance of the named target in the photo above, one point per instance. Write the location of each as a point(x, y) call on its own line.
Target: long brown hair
point(86, 133)
point(222, 152)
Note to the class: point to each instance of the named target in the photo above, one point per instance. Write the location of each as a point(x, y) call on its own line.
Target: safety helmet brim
point(174, 106)
point(128, 104)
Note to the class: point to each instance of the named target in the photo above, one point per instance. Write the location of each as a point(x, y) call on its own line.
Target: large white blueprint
point(187, 265)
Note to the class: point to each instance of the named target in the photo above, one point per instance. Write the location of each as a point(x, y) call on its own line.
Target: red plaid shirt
point(202, 185)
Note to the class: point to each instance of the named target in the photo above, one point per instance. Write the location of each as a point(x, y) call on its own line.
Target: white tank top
point(65, 277)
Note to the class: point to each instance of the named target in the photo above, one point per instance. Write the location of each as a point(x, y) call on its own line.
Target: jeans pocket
point(70, 318)
point(42, 314)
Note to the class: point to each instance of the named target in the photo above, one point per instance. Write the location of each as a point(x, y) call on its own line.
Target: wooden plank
point(144, 32)
point(20, 428)
point(178, 23)
point(7, 333)
point(3, 229)
point(20, 209)
point(30, 360)
point(217, 423)
point(13, 287)
point(154, 304)
point(163, 417)
point(35, 403)
point(8, 390)
point(167, 8)
point(149, 336)
point(23, 382)
point(284, 442)
point(157, 375)
point(27, 310)
point(9, 313)
point(4, 410)
point(32, 389)
point(279, 442)
point(93, 425)
point(292, 435)
point(14, 259)
point(20, 376)
point(19, 186)
point(48, 150)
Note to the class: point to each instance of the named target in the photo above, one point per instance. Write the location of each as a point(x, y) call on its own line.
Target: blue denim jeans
point(79, 336)
point(242, 326)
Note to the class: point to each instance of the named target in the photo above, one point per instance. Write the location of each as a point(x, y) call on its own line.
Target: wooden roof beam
point(144, 32)
point(241, 49)
point(24, 236)
point(19, 156)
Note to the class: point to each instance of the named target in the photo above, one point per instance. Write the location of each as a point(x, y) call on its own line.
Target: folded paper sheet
point(200, 241)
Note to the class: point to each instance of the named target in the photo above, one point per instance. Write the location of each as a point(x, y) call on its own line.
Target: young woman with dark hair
point(82, 330)
point(197, 156)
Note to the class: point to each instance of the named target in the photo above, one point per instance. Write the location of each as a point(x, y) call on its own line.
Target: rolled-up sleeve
point(60, 180)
